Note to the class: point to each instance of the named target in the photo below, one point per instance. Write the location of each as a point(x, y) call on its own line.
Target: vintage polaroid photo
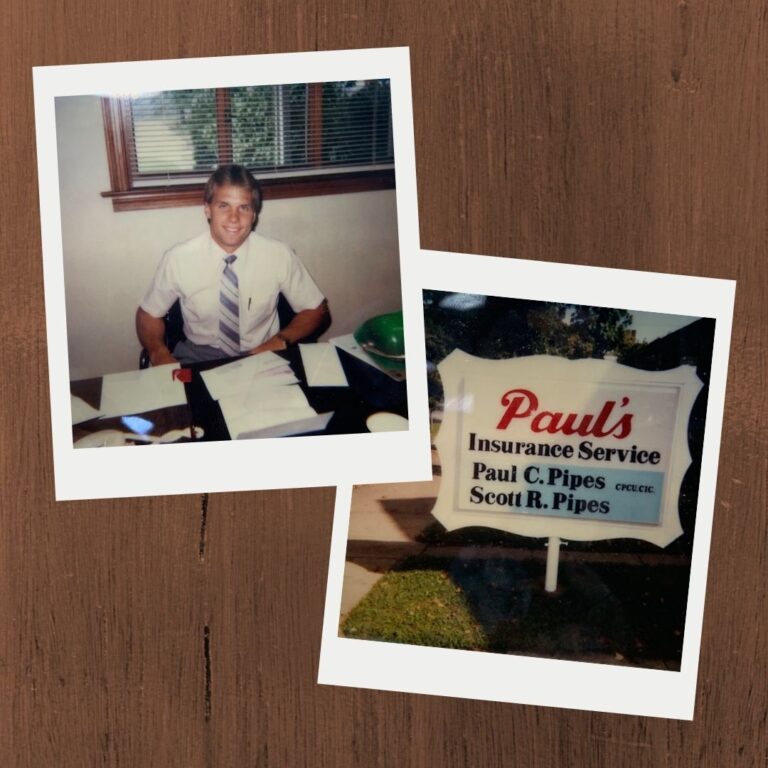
point(559, 554)
point(226, 251)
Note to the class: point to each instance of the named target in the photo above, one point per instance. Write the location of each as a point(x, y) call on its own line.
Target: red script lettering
point(522, 403)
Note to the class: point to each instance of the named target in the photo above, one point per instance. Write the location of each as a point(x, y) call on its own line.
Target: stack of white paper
point(124, 394)
point(259, 396)
point(271, 412)
point(264, 370)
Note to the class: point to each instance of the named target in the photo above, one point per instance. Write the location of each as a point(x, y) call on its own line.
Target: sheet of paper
point(124, 394)
point(264, 399)
point(230, 386)
point(81, 411)
point(348, 344)
point(322, 366)
point(248, 373)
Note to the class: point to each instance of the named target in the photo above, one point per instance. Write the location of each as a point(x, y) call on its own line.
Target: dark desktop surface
point(369, 391)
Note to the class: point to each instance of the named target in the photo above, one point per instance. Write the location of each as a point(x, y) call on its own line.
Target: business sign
point(575, 449)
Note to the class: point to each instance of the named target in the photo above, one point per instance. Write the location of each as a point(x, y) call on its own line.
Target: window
point(299, 139)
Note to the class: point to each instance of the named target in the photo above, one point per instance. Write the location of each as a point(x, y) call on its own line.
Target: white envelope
point(322, 366)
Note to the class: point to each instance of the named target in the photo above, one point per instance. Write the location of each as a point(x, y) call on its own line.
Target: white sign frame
point(682, 380)
point(254, 464)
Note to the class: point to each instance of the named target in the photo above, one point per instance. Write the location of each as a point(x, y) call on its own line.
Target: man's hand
point(275, 344)
point(162, 357)
point(303, 324)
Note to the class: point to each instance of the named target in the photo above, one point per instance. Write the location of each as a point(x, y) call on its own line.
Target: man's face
point(231, 216)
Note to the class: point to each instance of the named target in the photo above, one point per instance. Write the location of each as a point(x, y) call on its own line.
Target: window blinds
point(271, 129)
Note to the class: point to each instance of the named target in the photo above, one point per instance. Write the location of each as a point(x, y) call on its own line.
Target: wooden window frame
point(127, 196)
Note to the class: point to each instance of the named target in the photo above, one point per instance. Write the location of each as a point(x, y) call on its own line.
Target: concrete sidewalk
point(385, 514)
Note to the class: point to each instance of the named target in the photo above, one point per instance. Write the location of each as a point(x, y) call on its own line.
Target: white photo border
point(540, 681)
point(252, 464)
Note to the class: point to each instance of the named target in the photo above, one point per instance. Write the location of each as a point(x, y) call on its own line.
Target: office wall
point(348, 243)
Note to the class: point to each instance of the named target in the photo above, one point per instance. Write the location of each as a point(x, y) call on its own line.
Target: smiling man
point(228, 281)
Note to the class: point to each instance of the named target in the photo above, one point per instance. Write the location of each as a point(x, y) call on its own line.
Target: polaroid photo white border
point(258, 463)
point(540, 681)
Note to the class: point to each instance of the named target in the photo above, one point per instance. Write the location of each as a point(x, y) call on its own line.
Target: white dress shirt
point(191, 272)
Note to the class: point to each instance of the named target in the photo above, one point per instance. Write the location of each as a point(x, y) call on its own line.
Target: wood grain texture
point(616, 134)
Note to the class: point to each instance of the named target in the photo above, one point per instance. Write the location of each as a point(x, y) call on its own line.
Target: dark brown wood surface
point(616, 134)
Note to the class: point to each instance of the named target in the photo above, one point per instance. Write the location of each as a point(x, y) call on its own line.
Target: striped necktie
point(229, 309)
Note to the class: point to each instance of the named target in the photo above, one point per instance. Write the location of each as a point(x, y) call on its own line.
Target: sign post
point(563, 449)
point(553, 557)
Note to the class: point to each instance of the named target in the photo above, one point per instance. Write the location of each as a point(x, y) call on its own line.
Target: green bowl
point(381, 338)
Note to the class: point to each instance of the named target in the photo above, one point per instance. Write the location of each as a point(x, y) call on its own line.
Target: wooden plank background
point(609, 133)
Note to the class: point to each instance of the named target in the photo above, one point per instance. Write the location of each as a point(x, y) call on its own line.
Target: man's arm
point(151, 333)
point(304, 324)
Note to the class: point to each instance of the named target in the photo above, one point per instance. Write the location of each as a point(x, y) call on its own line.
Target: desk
point(369, 391)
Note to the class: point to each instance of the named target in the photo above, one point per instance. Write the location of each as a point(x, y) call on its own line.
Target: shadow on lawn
point(604, 612)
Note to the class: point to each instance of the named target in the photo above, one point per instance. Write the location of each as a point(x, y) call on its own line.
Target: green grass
point(418, 607)
point(610, 612)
